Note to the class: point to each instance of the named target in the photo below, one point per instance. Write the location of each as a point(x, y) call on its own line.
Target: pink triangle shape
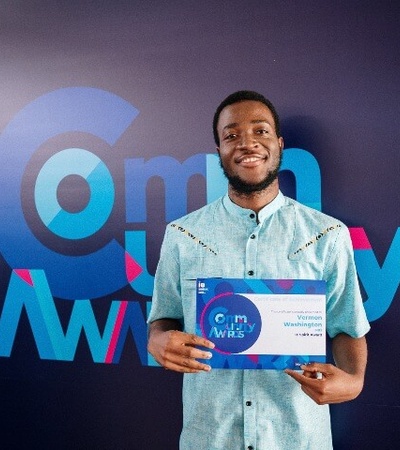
point(132, 268)
point(25, 275)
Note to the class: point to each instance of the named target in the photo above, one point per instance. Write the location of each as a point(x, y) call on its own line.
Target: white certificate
point(262, 324)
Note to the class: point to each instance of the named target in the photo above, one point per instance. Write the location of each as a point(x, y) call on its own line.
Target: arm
point(339, 383)
point(176, 350)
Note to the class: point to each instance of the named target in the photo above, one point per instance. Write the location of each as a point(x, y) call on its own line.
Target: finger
point(308, 374)
point(186, 365)
point(306, 378)
point(318, 370)
point(192, 364)
point(183, 344)
point(312, 373)
point(317, 367)
point(187, 345)
point(194, 340)
point(179, 355)
point(193, 353)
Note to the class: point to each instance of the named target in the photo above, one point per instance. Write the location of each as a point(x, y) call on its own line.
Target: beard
point(245, 188)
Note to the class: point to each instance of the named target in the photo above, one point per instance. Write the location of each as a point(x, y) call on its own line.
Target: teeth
point(250, 159)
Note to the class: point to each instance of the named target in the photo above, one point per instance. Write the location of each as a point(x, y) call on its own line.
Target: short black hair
point(241, 96)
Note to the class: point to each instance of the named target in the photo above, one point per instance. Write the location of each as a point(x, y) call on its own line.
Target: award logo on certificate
point(262, 324)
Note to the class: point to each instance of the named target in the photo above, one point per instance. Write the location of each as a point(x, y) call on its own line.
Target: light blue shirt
point(255, 409)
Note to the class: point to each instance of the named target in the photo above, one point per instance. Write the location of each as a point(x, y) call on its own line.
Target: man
point(256, 232)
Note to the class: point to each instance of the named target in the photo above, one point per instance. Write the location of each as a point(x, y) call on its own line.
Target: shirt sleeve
point(345, 309)
point(166, 300)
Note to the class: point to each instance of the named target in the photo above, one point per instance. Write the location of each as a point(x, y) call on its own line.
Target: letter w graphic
point(29, 289)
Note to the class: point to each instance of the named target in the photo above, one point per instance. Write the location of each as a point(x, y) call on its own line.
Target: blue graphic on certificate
point(262, 324)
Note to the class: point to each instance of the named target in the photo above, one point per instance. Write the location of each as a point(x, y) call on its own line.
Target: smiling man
point(254, 232)
point(250, 151)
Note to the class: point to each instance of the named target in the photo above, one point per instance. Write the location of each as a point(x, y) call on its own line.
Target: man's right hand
point(176, 350)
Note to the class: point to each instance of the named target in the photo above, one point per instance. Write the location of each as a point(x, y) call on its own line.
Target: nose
point(247, 141)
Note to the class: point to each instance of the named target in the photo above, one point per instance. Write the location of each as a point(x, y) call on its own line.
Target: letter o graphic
point(219, 318)
point(74, 161)
point(78, 110)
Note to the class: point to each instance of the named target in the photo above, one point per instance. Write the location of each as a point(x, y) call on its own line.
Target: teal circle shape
point(85, 223)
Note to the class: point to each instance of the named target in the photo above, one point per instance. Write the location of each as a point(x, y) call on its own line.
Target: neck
point(255, 200)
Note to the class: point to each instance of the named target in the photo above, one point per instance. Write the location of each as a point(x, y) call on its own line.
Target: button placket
point(251, 253)
point(249, 411)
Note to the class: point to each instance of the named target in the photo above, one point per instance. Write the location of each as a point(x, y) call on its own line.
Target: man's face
point(250, 151)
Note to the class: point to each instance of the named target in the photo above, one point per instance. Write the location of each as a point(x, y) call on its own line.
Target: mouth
point(250, 159)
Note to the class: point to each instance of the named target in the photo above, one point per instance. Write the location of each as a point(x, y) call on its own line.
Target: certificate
point(262, 324)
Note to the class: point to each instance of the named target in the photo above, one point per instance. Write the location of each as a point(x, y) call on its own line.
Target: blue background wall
point(333, 71)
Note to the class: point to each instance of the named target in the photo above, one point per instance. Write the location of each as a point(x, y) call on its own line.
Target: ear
point(281, 143)
point(217, 148)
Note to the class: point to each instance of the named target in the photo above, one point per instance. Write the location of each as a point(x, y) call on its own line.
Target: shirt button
point(252, 216)
point(248, 403)
point(250, 447)
point(253, 236)
point(250, 272)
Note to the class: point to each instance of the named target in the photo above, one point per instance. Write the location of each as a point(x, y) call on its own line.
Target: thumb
point(315, 370)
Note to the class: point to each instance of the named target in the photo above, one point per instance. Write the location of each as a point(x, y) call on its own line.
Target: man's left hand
point(326, 383)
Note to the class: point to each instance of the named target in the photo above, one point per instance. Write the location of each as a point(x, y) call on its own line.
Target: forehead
point(245, 112)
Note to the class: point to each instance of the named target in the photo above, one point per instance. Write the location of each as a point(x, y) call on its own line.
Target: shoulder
point(314, 226)
point(196, 224)
point(201, 215)
point(312, 216)
point(193, 233)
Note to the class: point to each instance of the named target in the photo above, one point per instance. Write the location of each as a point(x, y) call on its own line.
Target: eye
point(262, 131)
point(230, 136)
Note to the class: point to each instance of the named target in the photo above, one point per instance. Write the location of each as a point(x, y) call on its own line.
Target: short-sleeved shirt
point(231, 409)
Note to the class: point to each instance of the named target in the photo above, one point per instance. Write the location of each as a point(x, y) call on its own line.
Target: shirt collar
point(263, 214)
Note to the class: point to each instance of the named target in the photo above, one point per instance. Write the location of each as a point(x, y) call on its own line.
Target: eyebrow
point(235, 124)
